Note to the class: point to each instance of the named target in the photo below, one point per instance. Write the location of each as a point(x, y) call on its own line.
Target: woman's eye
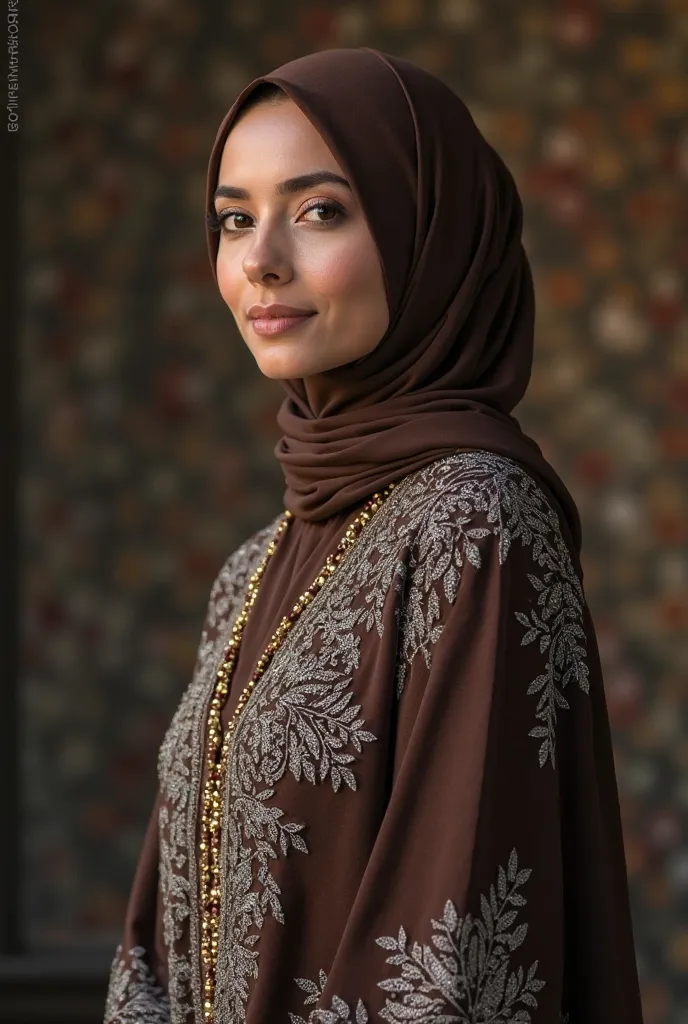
point(227, 218)
point(241, 220)
point(219, 221)
point(327, 206)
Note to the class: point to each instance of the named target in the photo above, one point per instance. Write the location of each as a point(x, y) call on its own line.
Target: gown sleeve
point(496, 890)
point(137, 987)
point(139, 984)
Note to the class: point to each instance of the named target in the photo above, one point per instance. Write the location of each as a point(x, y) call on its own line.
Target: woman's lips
point(279, 324)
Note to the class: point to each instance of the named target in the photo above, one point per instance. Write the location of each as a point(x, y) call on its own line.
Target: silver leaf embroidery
point(339, 1012)
point(467, 974)
point(468, 497)
point(299, 719)
point(133, 995)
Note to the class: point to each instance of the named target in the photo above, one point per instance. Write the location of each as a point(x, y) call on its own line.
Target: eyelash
point(215, 220)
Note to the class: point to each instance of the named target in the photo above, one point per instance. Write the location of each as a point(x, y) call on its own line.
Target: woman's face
point(310, 248)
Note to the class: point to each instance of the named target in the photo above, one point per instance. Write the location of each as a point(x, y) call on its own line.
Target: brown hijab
point(446, 217)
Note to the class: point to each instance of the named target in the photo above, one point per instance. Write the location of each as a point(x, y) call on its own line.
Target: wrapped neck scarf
point(445, 214)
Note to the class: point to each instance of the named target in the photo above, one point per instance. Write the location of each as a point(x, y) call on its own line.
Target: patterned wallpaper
point(147, 429)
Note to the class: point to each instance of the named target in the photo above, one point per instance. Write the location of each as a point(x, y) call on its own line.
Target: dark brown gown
point(421, 816)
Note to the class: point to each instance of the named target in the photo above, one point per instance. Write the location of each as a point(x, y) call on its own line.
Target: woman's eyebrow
point(287, 187)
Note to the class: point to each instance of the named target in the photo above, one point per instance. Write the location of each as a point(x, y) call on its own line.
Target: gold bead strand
point(218, 746)
point(212, 797)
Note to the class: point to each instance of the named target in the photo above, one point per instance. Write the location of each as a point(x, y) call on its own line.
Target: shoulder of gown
point(470, 493)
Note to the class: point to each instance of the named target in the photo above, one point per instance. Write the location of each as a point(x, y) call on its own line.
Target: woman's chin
point(285, 365)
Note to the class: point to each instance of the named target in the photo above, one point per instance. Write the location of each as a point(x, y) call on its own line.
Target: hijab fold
point(447, 220)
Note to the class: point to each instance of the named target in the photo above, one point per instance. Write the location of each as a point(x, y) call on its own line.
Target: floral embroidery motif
point(302, 729)
point(301, 720)
point(133, 996)
point(467, 978)
point(497, 496)
point(339, 1012)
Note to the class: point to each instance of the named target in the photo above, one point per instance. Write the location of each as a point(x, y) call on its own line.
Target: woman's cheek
point(228, 284)
point(339, 272)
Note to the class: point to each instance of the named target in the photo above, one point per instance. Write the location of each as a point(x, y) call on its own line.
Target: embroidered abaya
point(420, 817)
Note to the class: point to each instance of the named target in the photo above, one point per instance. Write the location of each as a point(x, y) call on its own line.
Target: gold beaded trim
point(218, 746)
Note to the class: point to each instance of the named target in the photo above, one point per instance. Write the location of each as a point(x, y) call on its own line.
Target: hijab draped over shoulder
point(445, 214)
point(420, 820)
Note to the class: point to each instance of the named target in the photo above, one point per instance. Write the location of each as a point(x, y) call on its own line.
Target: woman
point(389, 791)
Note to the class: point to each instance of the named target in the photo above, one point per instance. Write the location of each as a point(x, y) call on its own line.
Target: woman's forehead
point(269, 137)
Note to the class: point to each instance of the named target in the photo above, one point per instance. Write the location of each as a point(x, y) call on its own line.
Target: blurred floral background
point(148, 430)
